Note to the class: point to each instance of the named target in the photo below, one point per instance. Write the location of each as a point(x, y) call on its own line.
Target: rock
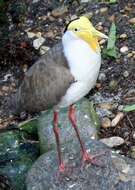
point(129, 55)
point(108, 106)
point(85, 1)
point(35, 1)
point(16, 156)
point(102, 77)
point(124, 49)
point(101, 42)
point(44, 49)
point(126, 74)
point(84, 118)
point(112, 141)
point(113, 85)
point(132, 21)
point(132, 152)
point(118, 172)
point(106, 122)
point(38, 42)
point(117, 119)
point(30, 127)
point(103, 10)
point(133, 135)
point(32, 34)
point(59, 11)
point(123, 36)
point(7, 77)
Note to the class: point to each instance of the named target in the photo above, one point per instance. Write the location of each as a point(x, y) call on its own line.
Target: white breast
point(84, 65)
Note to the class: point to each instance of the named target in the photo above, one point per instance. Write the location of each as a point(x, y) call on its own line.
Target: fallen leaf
point(129, 108)
point(111, 49)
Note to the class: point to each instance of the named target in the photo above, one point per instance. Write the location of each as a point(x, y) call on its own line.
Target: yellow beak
point(99, 34)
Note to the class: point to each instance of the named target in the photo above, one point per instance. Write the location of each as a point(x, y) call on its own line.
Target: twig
point(131, 124)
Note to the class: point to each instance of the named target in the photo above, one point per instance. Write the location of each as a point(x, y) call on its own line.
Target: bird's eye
point(76, 29)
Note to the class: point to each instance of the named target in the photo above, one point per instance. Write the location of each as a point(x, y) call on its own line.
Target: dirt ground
point(48, 18)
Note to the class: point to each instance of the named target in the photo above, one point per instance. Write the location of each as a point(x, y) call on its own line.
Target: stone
point(113, 85)
point(86, 119)
point(85, 1)
point(113, 141)
point(132, 20)
point(124, 49)
point(17, 155)
point(126, 74)
point(106, 122)
point(102, 77)
point(103, 10)
point(117, 119)
point(38, 42)
point(30, 127)
point(117, 172)
point(123, 36)
point(129, 55)
point(44, 49)
point(59, 11)
point(132, 152)
point(101, 42)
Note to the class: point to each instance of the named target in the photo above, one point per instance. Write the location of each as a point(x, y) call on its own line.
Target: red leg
point(86, 156)
point(57, 134)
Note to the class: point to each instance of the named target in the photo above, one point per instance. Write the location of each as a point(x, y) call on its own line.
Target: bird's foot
point(62, 168)
point(88, 158)
point(64, 171)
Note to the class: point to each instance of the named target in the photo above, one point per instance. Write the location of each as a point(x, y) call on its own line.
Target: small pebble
point(113, 141)
point(102, 77)
point(38, 42)
point(117, 119)
point(113, 85)
point(106, 122)
point(5, 88)
point(101, 42)
point(25, 68)
point(129, 55)
point(103, 10)
point(132, 21)
point(59, 11)
point(99, 27)
point(23, 115)
point(133, 135)
point(132, 152)
point(126, 74)
point(44, 49)
point(124, 49)
point(97, 11)
point(123, 36)
point(120, 107)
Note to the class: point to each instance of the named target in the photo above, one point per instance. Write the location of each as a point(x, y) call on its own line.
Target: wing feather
point(45, 82)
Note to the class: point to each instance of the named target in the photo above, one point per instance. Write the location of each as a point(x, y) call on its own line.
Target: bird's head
point(82, 28)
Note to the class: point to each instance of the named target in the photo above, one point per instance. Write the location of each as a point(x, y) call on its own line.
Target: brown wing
point(45, 82)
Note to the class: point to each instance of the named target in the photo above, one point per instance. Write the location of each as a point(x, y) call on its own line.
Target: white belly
point(84, 64)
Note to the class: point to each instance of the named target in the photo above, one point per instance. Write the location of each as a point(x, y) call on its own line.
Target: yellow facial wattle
point(84, 29)
point(92, 41)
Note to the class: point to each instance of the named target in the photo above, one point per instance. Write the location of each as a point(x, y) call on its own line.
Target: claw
point(88, 158)
point(62, 168)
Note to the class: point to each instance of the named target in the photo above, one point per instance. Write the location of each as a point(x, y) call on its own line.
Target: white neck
point(81, 58)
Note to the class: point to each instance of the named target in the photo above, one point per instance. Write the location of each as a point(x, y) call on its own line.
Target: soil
point(17, 53)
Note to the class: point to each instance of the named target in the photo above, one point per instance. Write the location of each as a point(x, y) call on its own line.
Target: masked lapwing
point(65, 74)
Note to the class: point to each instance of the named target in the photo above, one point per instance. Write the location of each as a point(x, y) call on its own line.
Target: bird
point(61, 77)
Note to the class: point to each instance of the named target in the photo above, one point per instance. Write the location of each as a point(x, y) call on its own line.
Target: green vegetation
point(129, 108)
point(111, 50)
